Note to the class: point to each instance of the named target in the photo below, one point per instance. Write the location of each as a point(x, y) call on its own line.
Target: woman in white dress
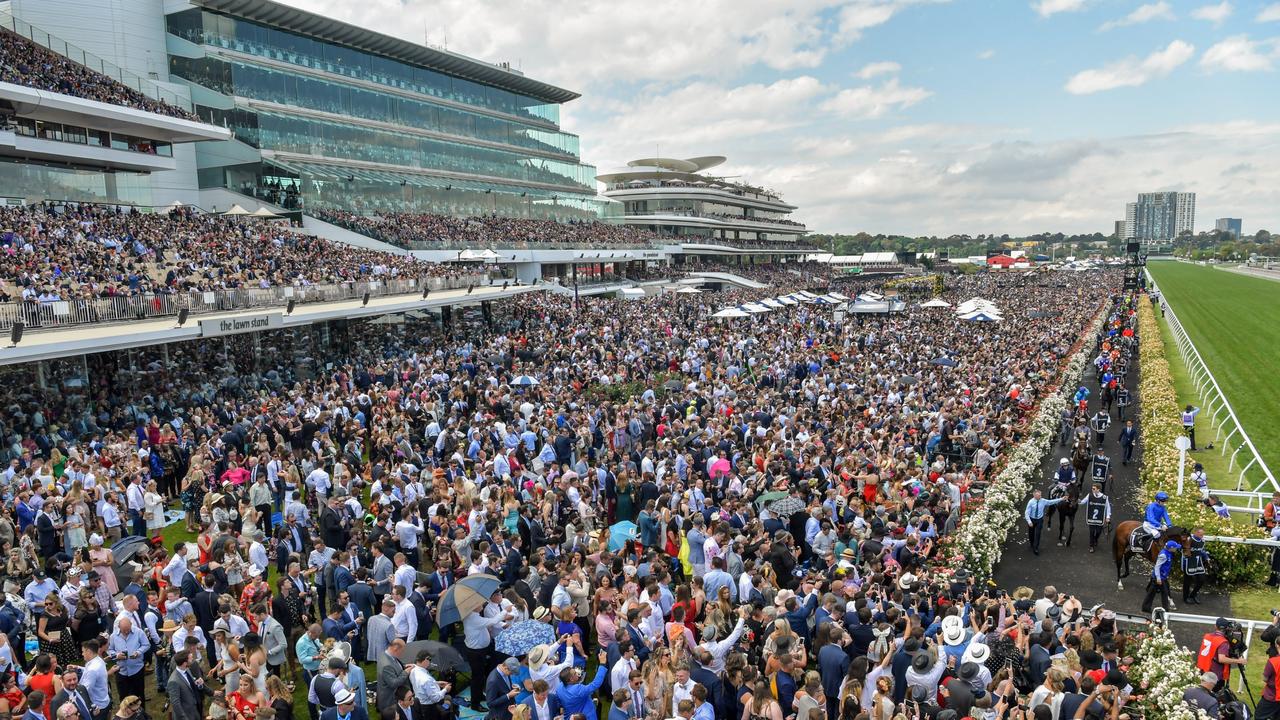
point(228, 659)
point(154, 509)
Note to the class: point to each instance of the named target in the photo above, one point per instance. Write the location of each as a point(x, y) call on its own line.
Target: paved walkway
point(1273, 275)
point(1092, 577)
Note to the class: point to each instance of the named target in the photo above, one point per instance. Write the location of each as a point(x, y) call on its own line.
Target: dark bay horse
point(1080, 456)
point(1121, 550)
point(1066, 511)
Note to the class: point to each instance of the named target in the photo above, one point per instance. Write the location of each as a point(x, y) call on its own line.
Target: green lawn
point(1234, 320)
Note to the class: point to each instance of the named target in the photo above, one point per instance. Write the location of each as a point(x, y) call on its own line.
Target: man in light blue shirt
point(717, 578)
point(94, 678)
point(1034, 515)
point(127, 646)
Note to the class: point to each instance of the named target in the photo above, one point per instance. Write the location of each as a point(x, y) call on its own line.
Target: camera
point(1234, 633)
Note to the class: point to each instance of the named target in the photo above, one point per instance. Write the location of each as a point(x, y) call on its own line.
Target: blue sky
point(909, 116)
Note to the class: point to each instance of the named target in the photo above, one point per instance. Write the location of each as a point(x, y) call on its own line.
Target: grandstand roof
point(292, 19)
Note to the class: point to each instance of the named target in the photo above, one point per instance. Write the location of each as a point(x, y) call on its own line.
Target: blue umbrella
point(521, 637)
point(943, 361)
point(620, 533)
point(465, 597)
point(524, 380)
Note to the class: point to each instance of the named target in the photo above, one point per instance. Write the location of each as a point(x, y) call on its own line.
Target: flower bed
point(983, 531)
point(1161, 671)
point(1160, 425)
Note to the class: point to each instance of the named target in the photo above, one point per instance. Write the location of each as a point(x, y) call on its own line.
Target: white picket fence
point(1220, 413)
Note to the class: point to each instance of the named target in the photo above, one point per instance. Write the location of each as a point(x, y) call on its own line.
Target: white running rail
point(1220, 412)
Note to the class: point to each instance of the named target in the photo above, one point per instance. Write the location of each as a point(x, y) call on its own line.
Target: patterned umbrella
point(769, 497)
point(620, 533)
point(521, 637)
point(465, 597)
point(787, 506)
point(524, 380)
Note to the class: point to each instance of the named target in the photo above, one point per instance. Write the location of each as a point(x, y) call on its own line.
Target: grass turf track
point(1234, 321)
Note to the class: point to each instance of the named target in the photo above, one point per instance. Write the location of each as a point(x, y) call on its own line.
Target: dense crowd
point(22, 62)
point(427, 230)
point(59, 252)
point(680, 517)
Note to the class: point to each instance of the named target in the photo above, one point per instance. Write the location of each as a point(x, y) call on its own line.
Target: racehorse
point(1066, 510)
point(1121, 550)
point(1080, 455)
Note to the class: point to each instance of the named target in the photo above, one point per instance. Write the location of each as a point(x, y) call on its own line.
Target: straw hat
point(538, 656)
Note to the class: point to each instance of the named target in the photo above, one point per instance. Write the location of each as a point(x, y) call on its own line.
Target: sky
point(920, 117)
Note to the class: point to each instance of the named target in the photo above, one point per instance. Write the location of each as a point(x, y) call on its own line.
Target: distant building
point(1230, 225)
point(1160, 217)
point(1120, 230)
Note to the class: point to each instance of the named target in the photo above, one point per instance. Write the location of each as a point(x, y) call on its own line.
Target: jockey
point(1066, 474)
point(1082, 397)
point(1157, 517)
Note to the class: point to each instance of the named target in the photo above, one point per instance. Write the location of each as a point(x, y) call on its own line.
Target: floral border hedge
point(1161, 671)
point(984, 529)
point(1161, 424)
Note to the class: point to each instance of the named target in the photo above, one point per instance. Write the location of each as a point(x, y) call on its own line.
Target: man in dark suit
point(47, 531)
point(73, 693)
point(391, 674)
point(297, 539)
point(186, 689)
point(500, 690)
point(513, 563)
point(331, 530)
point(699, 673)
point(190, 586)
point(204, 605)
point(362, 597)
point(1128, 436)
point(402, 709)
point(542, 704)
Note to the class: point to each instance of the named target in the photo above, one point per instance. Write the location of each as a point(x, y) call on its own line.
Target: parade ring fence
point(1221, 415)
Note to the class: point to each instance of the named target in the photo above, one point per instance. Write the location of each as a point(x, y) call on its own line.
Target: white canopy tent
point(936, 303)
point(786, 300)
point(754, 308)
point(981, 316)
point(688, 290)
point(730, 312)
point(236, 210)
point(772, 304)
point(837, 296)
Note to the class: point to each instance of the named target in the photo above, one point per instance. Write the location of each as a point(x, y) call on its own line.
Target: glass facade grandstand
point(358, 131)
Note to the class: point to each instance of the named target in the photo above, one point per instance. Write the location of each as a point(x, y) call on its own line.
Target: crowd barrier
point(37, 315)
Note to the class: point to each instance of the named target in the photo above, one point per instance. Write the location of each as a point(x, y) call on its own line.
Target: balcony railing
point(36, 315)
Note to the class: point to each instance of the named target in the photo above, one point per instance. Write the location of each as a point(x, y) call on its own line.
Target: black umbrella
point(444, 658)
point(123, 551)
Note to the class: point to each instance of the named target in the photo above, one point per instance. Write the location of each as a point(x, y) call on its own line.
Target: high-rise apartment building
point(1160, 217)
point(1230, 225)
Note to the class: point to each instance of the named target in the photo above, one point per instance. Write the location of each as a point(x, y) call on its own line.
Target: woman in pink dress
point(102, 562)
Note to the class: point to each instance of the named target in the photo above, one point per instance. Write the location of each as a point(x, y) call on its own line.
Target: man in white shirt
point(425, 688)
point(405, 619)
point(621, 670)
point(136, 502)
point(478, 641)
point(94, 678)
point(681, 690)
point(405, 575)
point(408, 530)
point(176, 568)
point(720, 649)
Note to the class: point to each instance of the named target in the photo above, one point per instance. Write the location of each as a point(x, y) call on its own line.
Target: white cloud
point(1215, 14)
point(872, 102)
point(986, 54)
point(1053, 7)
point(860, 15)
point(1270, 13)
point(1131, 71)
point(586, 45)
point(1240, 54)
point(871, 70)
point(1142, 14)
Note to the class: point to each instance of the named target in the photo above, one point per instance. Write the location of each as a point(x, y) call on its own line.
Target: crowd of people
point(54, 252)
point(23, 62)
point(709, 519)
point(430, 230)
